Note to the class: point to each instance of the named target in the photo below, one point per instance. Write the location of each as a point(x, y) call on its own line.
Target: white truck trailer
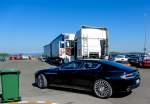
point(61, 47)
point(91, 42)
point(87, 43)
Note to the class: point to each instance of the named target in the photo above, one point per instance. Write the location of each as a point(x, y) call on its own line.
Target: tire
point(102, 89)
point(41, 81)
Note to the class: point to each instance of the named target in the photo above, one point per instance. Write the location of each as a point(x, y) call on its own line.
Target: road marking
point(32, 102)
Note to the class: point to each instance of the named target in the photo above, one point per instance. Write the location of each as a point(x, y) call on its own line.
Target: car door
point(67, 72)
point(87, 74)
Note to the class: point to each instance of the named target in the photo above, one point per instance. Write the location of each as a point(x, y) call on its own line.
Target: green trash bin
point(10, 85)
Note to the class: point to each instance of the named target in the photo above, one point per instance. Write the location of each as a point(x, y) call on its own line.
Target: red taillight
point(129, 75)
point(126, 76)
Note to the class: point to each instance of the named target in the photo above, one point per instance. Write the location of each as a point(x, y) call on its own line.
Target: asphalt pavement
point(31, 93)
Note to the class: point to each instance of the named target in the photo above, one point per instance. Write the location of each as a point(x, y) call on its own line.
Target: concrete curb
point(32, 102)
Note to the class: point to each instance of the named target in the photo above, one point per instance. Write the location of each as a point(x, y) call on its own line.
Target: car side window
point(107, 68)
point(72, 65)
point(90, 65)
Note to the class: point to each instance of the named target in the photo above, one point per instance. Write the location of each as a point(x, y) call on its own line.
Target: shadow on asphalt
point(115, 95)
point(121, 94)
point(71, 90)
point(67, 89)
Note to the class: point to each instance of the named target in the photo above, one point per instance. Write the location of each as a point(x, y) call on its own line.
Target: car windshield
point(71, 65)
point(90, 65)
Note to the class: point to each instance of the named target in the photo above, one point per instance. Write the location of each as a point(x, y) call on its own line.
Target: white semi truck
point(92, 42)
point(60, 49)
point(87, 43)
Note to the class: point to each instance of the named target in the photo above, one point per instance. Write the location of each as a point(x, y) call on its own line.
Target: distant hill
point(4, 54)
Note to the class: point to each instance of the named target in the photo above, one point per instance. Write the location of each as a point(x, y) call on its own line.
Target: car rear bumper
point(125, 85)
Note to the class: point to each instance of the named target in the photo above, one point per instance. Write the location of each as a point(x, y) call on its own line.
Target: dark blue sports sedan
point(102, 77)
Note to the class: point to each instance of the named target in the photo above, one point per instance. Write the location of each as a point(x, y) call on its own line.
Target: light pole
point(145, 29)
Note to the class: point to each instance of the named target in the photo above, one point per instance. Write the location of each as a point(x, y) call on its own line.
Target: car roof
point(107, 62)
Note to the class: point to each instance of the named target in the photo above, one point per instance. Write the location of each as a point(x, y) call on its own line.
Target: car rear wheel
point(102, 89)
point(41, 81)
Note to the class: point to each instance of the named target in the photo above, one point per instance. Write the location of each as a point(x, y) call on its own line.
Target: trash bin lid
point(2, 71)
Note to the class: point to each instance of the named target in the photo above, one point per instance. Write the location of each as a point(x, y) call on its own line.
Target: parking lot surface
point(29, 92)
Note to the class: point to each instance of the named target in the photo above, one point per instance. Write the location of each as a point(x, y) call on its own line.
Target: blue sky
point(27, 25)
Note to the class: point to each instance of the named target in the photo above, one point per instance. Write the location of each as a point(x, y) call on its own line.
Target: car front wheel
point(102, 89)
point(41, 81)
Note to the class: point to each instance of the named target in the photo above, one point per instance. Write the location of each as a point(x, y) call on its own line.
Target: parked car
point(134, 60)
point(144, 61)
point(25, 57)
point(103, 77)
point(12, 58)
point(121, 58)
